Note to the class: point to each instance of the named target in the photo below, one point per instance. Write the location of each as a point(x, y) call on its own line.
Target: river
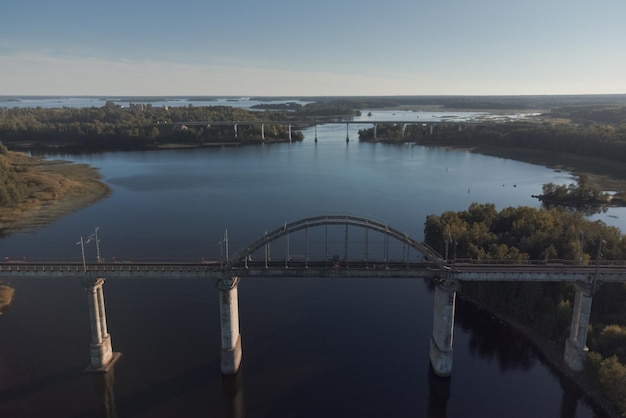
point(311, 347)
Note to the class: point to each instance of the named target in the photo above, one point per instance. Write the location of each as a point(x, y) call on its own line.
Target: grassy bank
point(52, 189)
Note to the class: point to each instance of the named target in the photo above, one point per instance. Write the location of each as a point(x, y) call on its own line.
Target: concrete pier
point(102, 356)
point(229, 320)
point(443, 327)
point(575, 345)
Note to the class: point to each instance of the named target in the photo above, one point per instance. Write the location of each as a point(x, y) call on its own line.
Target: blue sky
point(321, 47)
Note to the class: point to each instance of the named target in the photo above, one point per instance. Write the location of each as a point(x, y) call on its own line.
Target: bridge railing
point(104, 267)
point(546, 262)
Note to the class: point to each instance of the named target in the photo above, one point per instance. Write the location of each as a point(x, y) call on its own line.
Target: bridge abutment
point(102, 355)
point(229, 321)
point(575, 346)
point(443, 327)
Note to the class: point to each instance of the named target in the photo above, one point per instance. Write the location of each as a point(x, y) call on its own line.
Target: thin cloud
point(40, 73)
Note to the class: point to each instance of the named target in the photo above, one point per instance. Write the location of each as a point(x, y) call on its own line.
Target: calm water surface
point(311, 347)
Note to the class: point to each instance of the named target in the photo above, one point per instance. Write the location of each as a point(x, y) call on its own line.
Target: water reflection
point(104, 386)
point(571, 396)
point(438, 395)
point(232, 391)
point(587, 210)
point(487, 334)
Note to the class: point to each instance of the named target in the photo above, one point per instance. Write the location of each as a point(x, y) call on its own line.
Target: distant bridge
point(255, 260)
point(337, 121)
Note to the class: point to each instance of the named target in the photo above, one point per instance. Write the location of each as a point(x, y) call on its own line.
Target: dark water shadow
point(40, 384)
point(150, 397)
point(486, 335)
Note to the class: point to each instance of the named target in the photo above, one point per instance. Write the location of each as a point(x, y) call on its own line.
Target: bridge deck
point(614, 272)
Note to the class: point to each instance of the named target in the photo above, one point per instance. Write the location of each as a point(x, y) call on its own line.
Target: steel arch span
point(326, 220)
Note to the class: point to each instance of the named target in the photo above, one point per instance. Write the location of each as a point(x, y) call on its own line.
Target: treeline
point(525, 233)
point(593, 140)
point(611, 115)
point(474, 102)
point(333, 109)
point(140, 126)
point(327, 109)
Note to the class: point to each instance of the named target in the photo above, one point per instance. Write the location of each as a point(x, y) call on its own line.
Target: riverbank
point(54, 189)
point(552, 354)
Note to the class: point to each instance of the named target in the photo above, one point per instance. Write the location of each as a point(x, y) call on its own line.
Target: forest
point(142, 126)
point(555, 236)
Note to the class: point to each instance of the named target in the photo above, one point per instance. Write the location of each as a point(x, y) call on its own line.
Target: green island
point(582, 134)
point(579, 196)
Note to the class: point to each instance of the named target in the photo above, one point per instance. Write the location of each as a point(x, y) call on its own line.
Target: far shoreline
point(610, 177)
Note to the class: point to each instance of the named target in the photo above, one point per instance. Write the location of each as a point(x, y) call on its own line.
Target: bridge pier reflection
point(229, 321)
point(232, 390)
point(104, 384)
point(443, 327)
point(102, 355)
point(438, 395)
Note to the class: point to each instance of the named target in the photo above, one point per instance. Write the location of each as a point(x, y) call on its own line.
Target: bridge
point(336, 121)
point(381, 252)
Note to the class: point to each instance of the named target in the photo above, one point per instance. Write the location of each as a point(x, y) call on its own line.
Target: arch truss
point(242, 257)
